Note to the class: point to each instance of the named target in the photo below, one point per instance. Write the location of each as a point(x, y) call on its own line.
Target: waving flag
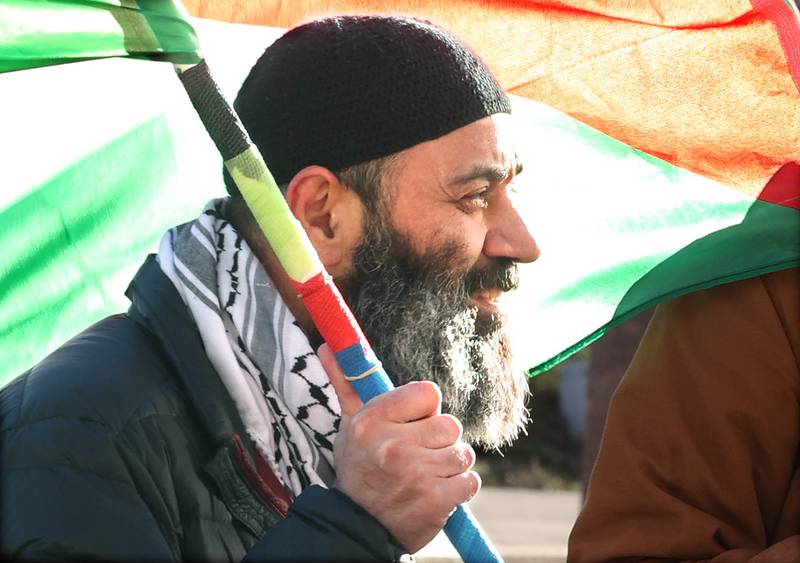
point(97, 157)
point(283, 232)
point(649, 132)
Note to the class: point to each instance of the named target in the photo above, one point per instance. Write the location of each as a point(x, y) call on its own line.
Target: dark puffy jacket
point(124, 445)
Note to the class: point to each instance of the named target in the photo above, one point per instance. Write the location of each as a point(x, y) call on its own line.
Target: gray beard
point(416, 313)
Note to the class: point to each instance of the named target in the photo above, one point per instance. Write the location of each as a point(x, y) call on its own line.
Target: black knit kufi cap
point(344, 90)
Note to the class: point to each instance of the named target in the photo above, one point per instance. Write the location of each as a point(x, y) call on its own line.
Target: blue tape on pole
point(354, 362)
point(469, 539)
point(462, 529)
point(372, 386)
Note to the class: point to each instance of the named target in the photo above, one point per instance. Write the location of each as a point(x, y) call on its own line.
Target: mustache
point(386, 263)
point(502, 274)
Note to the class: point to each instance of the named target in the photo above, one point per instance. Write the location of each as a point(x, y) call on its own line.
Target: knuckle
point(417, 475)
point(451, 427)
point(469, 456)
point(390, 453)
point(360, 425)
point(429, 391)
point(464, 486)
point(473, 484)
point(383, 453)
point(442, 431)
point(465, 456)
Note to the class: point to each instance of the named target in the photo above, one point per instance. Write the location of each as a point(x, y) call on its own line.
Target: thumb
point(348, 397)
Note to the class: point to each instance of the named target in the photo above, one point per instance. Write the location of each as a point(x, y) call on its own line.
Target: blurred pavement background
point(524, 524)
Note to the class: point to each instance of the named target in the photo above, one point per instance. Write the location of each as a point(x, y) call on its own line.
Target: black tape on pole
point(217, 115)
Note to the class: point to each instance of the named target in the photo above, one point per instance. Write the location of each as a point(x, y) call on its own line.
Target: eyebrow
point(491, 173)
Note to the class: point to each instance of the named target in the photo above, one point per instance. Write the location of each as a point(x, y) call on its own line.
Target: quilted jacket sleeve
point(325, 525)
point(70, 499)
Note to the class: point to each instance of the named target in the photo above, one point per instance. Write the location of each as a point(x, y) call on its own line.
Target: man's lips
point(486, 300)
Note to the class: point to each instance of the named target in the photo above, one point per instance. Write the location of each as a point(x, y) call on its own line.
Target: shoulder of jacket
point(112, 372)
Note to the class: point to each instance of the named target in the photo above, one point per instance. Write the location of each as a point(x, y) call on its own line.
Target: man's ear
point(331, 214)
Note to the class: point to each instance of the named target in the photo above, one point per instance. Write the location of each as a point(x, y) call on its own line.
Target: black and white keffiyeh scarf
point(268, 366)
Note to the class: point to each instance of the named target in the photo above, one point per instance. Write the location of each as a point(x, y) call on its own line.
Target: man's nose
point(508, 236)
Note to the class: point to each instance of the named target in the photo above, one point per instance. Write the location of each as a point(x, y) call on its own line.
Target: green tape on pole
point(287, 237)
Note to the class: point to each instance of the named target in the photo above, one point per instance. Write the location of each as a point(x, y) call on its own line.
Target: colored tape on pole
point(469, 539)
point(333, 318)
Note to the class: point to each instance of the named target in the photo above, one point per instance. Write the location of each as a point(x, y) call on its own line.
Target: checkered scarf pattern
point(255, 344)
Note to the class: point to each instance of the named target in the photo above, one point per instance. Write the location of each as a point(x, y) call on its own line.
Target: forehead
point(488, 142)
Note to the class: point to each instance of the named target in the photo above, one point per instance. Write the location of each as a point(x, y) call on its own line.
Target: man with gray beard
point(417, 313)
point(210, 422)
point(402, 176)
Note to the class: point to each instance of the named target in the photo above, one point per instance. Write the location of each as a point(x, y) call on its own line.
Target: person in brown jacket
point(700, 459)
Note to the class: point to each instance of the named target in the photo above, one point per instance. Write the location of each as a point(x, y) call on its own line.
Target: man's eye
point(476, 200)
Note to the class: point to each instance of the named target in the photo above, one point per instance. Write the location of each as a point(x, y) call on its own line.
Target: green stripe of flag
point(36, 33)
point(621, 231)
point(93, 177)
point(93, 182)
